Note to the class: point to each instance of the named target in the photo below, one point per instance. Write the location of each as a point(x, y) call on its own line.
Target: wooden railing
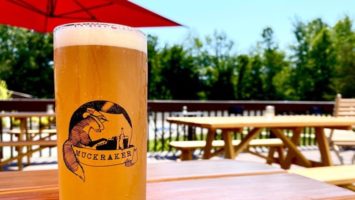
point(161, 132)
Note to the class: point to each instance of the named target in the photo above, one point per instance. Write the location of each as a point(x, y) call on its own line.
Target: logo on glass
point(100, 135)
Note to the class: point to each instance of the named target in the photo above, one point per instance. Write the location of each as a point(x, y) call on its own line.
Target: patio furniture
point(191, 131)
point(39, 144)
point(276, 125)
point(274, 144)
point(260, 187)
point(206, 179)
point(31, 134)
point(218, 179)
point(34, 132)
point(25, 137)
point(342, 175)
point(340, 139)
point(156, 172)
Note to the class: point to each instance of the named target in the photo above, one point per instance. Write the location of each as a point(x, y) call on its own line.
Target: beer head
point(105, 34)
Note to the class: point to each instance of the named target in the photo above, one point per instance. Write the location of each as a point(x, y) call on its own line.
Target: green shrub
point(4, 92)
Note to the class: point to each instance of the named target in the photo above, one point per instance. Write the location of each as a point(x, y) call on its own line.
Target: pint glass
point(101, 105)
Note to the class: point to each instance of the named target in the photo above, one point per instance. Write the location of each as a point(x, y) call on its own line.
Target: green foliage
point(4, 93)
point(222, 68)
point(244, 75)
point(255, 91)
point(26, 61)
point(274, 63)
point(322, 59)
point(344, 44)
point(319, 64)
point(154, 69)
point(321, 56)
point(179, 78)
point(216, 66)
point(322, 63)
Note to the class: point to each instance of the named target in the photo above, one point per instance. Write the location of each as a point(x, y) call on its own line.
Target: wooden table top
point(258, 187)
point(337, 175)
point(156, 172)
point(265, 122)
point(171, 171)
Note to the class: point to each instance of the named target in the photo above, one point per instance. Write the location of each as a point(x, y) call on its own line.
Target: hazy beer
point(101, 105)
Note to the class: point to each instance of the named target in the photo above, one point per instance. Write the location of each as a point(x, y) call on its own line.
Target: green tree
point(4, 92)
point(300, 79)
point(322, 58)
point(274, 62)
point(249, 77)
point(344, 44)
point(154, 68)
point(314, 61)
point(215, 65)
point(256, 90)
point(221, 69)
point(202, 61)
point(242, 89)
point(26, 61)
point(179, 76)
point(223, 85)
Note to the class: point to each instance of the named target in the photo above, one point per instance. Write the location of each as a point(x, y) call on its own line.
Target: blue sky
point(242, 20)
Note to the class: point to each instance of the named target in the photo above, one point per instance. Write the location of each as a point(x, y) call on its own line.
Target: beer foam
point(94, 33)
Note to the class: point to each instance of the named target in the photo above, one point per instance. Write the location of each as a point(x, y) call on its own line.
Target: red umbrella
point(44, 15)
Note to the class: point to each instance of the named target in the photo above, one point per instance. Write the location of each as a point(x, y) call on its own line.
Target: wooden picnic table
point(23, 134)
point(277, 125)
point(260, 187)
point(156, 172)
point(191, 131)
point(206, 179)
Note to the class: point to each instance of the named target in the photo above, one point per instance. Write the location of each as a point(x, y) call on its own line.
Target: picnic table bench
point(275, 145)
point(341, 175)
point(277, 125)
point(40, 144)
point(26, 136)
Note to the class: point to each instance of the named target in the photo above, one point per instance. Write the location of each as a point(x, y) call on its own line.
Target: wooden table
point(191, 131)
point(156, 172)
point(23, 136)
point(341, 175)
point(260, 187)
point(207, 179)
point(277, 125)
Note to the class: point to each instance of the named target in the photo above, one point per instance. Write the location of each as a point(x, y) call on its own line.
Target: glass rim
point(103, 25)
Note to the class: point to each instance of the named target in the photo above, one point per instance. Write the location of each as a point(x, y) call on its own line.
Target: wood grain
point(264, 122)
point(276, 124)
point(21, 180)
point(337, 175)
point(261, 187)
point(156, 172)
point(200, 169)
